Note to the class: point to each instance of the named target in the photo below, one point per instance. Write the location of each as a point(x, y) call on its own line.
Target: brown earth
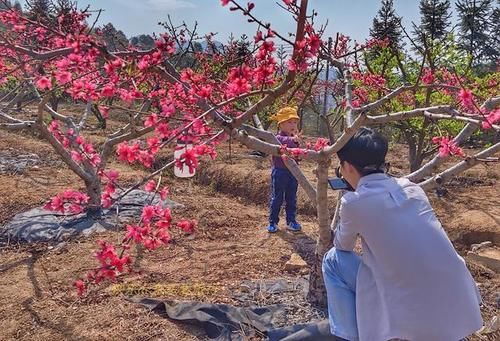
point(228, 199)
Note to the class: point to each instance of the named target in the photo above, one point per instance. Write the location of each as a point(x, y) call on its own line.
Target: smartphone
point(339, 184)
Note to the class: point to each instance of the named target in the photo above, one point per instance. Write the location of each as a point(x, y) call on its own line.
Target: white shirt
point(411, 283)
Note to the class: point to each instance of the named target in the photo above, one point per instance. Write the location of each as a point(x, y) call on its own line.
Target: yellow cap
point(285, 114)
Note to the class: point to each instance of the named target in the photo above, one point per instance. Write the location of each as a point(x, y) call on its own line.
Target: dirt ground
point(37, 301)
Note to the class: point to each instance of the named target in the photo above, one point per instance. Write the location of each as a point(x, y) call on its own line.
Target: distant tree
point(434, 18)
point(64, 6)
point(387, 24)
point(494, 33)
point(17, 5)
point(115, 39)
point(434, 26)
point(475, 27)
point(143, 42)
point(39, 9)
point(5, 4)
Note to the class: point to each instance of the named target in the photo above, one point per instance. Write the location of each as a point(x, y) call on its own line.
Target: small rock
point(477, 247)
point(296, 263)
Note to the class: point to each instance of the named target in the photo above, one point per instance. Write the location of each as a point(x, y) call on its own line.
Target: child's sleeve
point(288, 141)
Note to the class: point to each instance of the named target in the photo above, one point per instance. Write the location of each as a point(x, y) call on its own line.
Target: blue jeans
point(340, 269)
point(283, 187)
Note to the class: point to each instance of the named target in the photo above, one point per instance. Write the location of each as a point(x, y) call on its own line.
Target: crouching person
point(409, 283)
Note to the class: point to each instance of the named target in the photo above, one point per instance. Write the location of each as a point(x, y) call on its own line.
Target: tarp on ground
point(39, 224)
point(224, 322)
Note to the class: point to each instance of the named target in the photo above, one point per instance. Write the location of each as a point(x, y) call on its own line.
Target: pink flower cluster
point(69, 201)
point(190, 157)
point(492, 118)
point(79, 149)
point(447, 146)
point(133, 152)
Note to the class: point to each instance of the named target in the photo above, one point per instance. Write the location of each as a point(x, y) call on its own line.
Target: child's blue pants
point(283, 187)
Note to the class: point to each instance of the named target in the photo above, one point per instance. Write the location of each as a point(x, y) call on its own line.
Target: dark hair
point(366, 151)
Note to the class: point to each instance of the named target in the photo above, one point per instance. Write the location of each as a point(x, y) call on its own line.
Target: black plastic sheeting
point(224, 322)
point(40, 225)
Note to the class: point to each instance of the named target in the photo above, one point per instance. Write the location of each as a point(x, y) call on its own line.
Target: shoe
point(272, 228)
point(294, 226)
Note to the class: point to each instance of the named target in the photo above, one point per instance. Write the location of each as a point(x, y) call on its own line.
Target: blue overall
point(283, 187)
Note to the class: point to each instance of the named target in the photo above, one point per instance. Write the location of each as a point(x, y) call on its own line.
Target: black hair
point(366, 151)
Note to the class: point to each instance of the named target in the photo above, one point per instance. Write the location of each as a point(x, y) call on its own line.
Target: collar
point(372, 177)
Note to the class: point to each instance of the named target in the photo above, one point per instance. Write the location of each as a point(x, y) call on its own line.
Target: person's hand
point(298, 137)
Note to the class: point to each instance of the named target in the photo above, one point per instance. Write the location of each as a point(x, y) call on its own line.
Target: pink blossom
point(148, 213)
point(163, 130)
point(164, 193)
point(63, 77)
point(428, 77)
point(151, 121)
point(187, 226)
point(167, 109)
point(492, 118)
point(447, 147)
point(466, 98)
point(150, 186)
point(80, 287)
point(320, 144)
point(44, 83)
point(76, 156)
point(112, 174)
point(153, 144)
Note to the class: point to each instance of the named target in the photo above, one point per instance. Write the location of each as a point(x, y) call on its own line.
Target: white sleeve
point(346, 231)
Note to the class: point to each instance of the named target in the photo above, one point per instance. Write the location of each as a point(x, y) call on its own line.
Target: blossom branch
point(464, 134)
point(59, 148)
point(469, 162)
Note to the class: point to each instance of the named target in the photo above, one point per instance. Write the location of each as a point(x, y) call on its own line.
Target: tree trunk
point(54, 102)
point(93, 188)
point(317, 290)
point(414, 155)
point(98, 115)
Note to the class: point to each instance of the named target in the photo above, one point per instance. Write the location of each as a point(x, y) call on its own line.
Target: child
point(284, 184)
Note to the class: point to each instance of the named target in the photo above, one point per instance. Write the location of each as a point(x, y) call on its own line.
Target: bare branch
point(17, 126)
point(346, 135)
point(466, 132)
point(377, 104)
point(469, 162)
point(88, 109)
point(42, 55)
point(59, 148)
point(455, 117)
point(348, 95)
point(404, 115)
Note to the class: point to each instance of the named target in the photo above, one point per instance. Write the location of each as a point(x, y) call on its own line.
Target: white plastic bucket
point(180, 149)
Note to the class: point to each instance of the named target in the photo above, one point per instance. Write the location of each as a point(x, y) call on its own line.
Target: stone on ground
point(295, 264)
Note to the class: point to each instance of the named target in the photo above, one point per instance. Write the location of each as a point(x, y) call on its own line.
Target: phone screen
point(338, 184)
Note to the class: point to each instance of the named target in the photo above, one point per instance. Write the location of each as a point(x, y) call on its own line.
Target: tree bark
point(93, 189)
point(317, 290)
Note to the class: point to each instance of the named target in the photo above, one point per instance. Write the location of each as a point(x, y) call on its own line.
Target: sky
point(351, 17)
